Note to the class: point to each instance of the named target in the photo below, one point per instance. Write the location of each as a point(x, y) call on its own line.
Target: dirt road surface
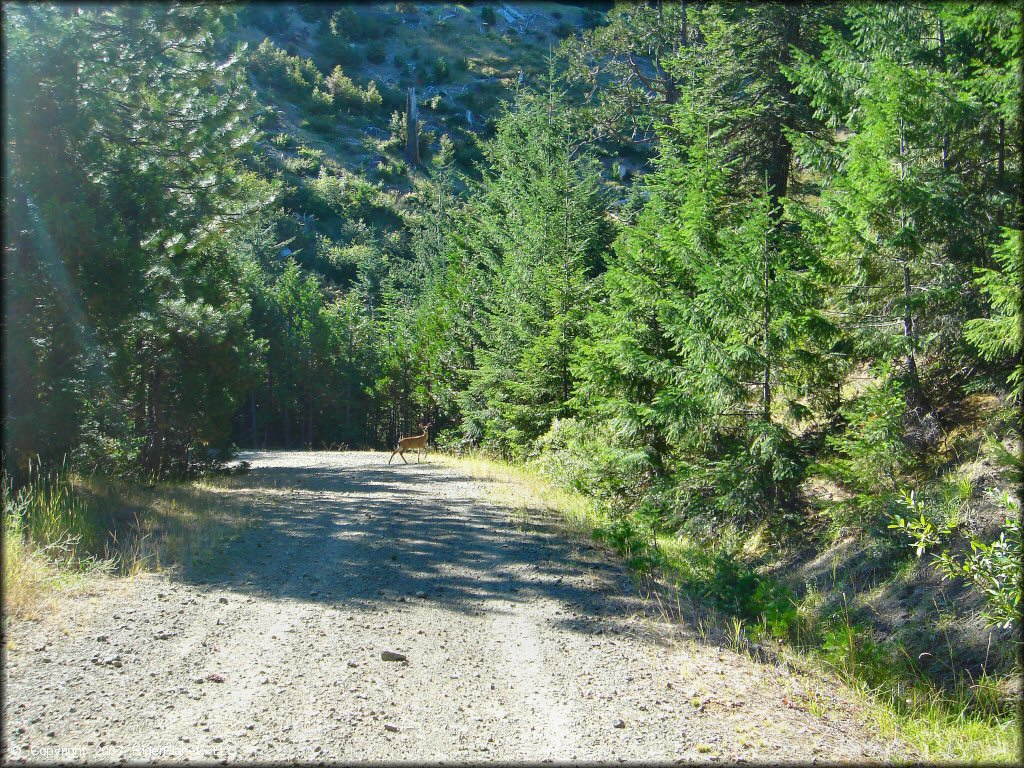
point(519, 645)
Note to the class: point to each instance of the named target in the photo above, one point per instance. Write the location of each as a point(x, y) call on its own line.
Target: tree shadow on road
point(362, 535)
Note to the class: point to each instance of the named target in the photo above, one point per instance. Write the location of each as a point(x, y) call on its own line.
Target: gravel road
point(519, 645)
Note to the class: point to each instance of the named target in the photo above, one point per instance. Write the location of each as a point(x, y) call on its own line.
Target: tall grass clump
point(49, 533)
point(48, 512)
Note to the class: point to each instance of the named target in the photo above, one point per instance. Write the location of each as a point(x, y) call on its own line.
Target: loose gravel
point(390, 613)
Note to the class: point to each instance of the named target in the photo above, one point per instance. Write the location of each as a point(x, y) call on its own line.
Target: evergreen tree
point(126, 128)
point(710, 345)
point(906, 213)
point(538, 233)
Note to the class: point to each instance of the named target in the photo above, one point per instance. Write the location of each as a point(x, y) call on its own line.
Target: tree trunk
point(309, 426)
point(412, 143)
point(766, 387)
point(252, 412)
point(915, 397)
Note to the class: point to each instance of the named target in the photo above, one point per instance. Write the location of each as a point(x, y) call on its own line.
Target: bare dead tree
point(412, 144)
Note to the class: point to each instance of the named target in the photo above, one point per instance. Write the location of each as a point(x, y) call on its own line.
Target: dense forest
point(733, 270)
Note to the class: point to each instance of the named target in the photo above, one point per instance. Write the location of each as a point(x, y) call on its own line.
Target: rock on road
point(519, 645)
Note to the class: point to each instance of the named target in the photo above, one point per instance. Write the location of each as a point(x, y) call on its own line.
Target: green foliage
point(376, 52)
point(354, 23)
point(998, 337)
point(46, 510)
point(870, 454)
point(143, 145)
point(438, 70)
point(709, 327)
point(300, 80)
point(852, 650)
point(534, 239)
point(828, 180)
point(295, 77)
point(588, 459)
point(993, 567)
point(898, 197)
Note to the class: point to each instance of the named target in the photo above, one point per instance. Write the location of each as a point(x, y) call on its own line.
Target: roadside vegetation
point(61, 530)
point(719, 592)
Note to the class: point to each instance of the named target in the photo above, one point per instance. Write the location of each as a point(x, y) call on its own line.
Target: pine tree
point(126, 127)
point(536, 235)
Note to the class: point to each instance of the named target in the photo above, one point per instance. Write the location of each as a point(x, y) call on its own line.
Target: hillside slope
point(333, 80)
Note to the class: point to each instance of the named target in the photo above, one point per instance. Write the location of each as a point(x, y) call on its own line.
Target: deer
point(415, 443)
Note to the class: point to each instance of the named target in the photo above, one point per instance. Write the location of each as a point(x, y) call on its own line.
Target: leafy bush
point(282, 140)
point(324, 124)
point(392, 170)
point(994, 568)
point(488, 16)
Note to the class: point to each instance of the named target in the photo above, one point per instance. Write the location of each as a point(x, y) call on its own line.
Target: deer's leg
point(392, 456)
point(402, 454)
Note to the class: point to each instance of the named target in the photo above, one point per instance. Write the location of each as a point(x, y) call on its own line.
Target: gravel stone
point(511, 664)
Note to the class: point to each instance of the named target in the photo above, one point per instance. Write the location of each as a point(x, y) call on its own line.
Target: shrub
point(337, 49)
point(351, 97)
point(998, 337)
point(871, 453)
point(994, 568)
point(591, 460)
point(296, 78)
point(282, 140)
point(325, 124)
point(564, 29)
point(487, 15)
point(321, 101)
point(376, 52)
point(355, 23)
point(439, 69)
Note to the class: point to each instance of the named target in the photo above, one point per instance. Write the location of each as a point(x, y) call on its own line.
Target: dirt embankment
point(517, 646)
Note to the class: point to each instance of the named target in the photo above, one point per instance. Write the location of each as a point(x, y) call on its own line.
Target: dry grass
point(166, 525)
point(528, 495)
point(132, 528)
